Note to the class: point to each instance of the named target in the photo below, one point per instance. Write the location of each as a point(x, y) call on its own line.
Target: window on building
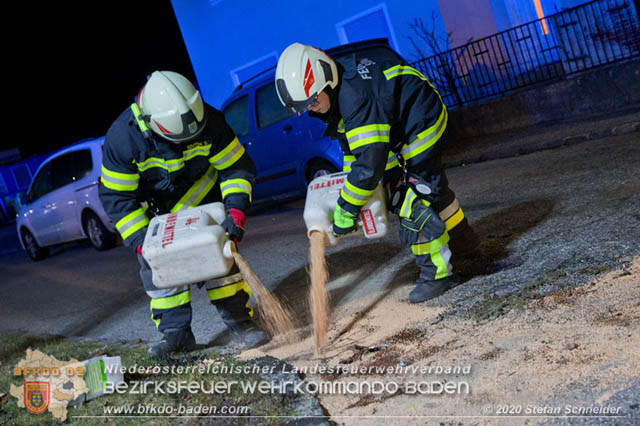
point(372, 23)
point(253, 68)
point(237, 115)
point(269, 109)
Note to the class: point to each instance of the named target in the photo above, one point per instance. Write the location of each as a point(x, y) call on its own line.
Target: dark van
point(289, 151)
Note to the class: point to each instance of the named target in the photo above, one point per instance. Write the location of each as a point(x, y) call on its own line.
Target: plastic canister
point(188, 246)
point(322, 195)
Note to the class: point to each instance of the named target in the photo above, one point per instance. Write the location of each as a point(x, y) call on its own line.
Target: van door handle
point(287, 128)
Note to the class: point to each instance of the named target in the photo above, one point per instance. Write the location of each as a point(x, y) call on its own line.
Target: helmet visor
point(296, 106)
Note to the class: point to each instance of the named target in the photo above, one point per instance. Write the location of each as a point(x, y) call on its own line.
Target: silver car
point(62, 202)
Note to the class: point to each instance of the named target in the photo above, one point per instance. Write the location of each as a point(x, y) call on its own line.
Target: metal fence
point(593, 34)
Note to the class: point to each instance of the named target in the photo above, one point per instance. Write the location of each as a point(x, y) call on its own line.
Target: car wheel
point(34, 251)
point(319, 168)
point(101, 238)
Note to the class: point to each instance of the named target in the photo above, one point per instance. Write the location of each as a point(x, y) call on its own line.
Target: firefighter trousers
point(171, 307)
point(434, 256)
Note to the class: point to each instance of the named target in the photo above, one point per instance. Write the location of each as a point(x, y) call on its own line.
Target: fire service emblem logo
point(36, 397)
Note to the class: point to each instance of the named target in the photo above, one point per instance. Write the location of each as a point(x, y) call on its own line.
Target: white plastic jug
point(188, 246)
point(322, 196)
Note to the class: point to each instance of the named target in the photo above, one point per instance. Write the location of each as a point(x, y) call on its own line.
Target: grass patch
point(259, 404)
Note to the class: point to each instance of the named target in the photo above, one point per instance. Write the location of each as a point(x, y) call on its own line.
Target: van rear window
point(269, 108)
point(237, 116)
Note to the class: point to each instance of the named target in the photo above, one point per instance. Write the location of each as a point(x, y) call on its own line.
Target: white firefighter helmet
point(172, 106)
point(302, 73)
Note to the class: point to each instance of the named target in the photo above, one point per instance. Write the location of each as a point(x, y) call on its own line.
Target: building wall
point(223, 35)
point(467, 20)
point(228, 40)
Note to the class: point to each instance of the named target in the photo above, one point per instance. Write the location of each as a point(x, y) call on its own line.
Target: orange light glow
point(545, 29)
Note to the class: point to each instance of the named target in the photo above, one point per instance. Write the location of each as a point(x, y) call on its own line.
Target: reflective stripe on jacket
point(139, 171)
point(382, 106)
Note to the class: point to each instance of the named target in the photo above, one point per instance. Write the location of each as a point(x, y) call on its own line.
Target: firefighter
point(170, 151)
point(390, 123)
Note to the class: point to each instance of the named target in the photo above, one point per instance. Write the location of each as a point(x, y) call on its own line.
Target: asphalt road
point(565, 208)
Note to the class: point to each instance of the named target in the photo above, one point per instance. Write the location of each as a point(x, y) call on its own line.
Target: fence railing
point(593, 34)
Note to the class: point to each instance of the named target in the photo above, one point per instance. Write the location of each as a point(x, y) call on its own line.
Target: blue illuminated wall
point(228, 40)
point(224, 35)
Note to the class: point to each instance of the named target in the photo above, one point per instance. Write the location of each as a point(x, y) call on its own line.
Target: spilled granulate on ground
point(533, 352)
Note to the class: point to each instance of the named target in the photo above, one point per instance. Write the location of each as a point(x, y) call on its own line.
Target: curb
point(514, 151)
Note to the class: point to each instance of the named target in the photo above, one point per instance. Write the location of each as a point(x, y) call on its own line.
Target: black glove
point(423, 219)
point(233, 224)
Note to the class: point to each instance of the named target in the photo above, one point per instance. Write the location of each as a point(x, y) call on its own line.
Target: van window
point(269, 109)
point(82, 163)
point(63, 170)
point(42, 184)
point(237, 115)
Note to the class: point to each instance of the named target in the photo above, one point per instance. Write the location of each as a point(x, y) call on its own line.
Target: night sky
point(85, 65)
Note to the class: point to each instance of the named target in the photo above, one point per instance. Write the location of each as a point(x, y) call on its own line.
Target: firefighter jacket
point(143, 175)
point(381, 107)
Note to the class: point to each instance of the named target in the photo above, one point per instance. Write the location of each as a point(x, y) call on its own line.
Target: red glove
point(234, 224)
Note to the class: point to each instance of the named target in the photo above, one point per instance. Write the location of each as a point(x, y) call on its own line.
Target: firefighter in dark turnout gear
point(391, 123)
point(170, 151)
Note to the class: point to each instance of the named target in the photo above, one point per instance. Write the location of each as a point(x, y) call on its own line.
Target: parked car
point(289, 150)
point(62, 202)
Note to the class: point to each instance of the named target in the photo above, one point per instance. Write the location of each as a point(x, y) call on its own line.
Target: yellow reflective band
point(365, 135)
point(170, 165)
point(234, 186)
point(440, 264)
point(392, 161)
point(341, 128)
point(406, 208)
point(454, 220)
point(228, 290)
point(203, 150)
point(346, 162)
point(228, 156)
point(426, 138)
point(402, 70)
point(171, 301)
point(198, 190)
point(407, 70)
point(431, 247)
point(119, 181)
point(368, 128)
point(354, 195)
point(131, 223)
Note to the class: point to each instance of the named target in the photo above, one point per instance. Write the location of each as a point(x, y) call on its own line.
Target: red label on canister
point(368, 222)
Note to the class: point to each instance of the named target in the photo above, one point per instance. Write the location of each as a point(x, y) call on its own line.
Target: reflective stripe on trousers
point(171, 307)
point(433, 257)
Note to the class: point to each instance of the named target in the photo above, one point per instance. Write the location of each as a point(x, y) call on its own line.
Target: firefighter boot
point(174, 340)
point(430, 289)
point(249, 334)
point(237, 316)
